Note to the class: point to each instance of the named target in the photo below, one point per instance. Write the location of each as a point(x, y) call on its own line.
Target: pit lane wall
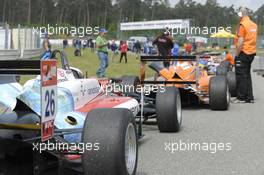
point(19, 43)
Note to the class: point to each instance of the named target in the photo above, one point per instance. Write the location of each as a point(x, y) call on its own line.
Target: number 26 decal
point(50, 105)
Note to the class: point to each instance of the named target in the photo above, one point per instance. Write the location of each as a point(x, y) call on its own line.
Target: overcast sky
point(251, 4)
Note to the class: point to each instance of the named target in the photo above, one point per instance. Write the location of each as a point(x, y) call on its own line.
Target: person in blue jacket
point(175, 49)
point(47, 48)
point(146, 48)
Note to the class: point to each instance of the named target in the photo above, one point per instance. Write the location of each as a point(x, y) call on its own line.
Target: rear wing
point(144, 59)
point(47, 69)
point(20, 67)
point(29, 67)
point(168, 58)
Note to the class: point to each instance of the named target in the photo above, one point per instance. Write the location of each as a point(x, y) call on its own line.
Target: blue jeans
point(103, 57)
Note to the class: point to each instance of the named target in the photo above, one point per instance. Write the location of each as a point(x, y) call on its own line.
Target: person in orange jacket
point(188, 48)
point(229, 57)
point(245, 53)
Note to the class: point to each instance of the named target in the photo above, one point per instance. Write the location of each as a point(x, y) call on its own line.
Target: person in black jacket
point(138, 49)
point(164, 44)
point(65, 43)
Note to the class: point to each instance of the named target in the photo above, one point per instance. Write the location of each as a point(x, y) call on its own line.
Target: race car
point(101, 127)
point(157, 102)
point(190, 75)
point(216, 64)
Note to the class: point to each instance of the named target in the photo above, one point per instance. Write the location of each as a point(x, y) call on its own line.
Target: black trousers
point(243, 76)
point(121, 57)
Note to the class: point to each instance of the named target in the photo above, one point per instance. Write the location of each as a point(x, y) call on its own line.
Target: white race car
point(103, 126)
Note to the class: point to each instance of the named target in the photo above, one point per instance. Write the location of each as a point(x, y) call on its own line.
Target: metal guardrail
point(12, 54)
point(9, 54)
point(19, 43)
point(31, 53)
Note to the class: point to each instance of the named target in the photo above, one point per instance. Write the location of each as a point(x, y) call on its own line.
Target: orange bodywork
point(186, 71)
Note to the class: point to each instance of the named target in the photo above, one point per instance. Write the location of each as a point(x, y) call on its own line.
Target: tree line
point(109, 13)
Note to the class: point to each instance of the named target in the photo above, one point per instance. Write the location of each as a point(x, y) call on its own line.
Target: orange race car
point(190, 75)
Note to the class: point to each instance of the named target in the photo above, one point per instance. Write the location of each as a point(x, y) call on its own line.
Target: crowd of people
point(245, 45)
point(119, 49)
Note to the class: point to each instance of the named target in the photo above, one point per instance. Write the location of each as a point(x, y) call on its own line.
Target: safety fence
point(19, 42)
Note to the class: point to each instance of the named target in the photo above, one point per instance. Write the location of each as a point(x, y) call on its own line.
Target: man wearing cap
point(101, 45)
point(245, 53)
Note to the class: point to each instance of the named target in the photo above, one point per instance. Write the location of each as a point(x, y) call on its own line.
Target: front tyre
point(219, 96)
point(115, 131)
point(223, 68)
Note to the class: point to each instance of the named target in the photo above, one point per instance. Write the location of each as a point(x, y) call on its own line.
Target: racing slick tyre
point(231, 80)
point(223, 68)
point(225, 64)
point(114, 132)
point(130, 84)
point(168, 109)
point(219, 96)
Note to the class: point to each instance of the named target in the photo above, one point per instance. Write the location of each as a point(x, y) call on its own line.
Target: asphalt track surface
point(242, 128)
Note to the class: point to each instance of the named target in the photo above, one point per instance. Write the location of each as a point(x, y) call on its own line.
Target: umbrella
point(222, 34)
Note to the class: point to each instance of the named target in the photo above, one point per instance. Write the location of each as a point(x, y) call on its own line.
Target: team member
point(101, 45)
point(165, 44)
point(245, 53)
point(228, 56)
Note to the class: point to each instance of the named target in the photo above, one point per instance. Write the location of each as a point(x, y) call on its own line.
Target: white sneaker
point(238, 101)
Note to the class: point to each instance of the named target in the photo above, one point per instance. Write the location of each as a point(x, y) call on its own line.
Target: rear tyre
point(130, 84)
point(219, 97)
point(231, 80)
point(168, 109)
point(225, 64)
point(223, 68)
point(115, 131)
